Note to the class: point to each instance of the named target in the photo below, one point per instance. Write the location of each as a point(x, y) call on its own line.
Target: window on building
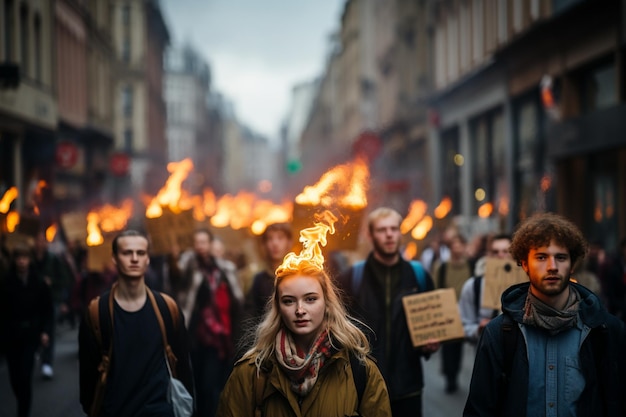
point(128, 141)
point(24, 39)
point(599, 87)
point(127, 101)
point(451, 163)
point(38, 50)
point(126, 15)
point(126, 48)
point(9, 27)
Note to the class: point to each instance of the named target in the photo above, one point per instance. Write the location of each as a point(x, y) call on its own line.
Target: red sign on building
point(119, 164)
point(66, 154)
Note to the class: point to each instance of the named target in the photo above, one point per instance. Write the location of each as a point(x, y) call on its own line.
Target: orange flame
point(485, 210)
point(112, 218)
point(443, 208)
point(266, 212)
point(420, 231)
point(346, 183)
point(51, 232)
point(311, 239)
point(171, 194)
point(8, 197)
point(417, 210)
point(94, 237)
point(13, 219)
point(410, 252)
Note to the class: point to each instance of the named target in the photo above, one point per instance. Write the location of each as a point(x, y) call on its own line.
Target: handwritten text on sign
point(433, 315)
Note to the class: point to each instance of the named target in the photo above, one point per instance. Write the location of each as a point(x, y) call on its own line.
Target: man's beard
point(382, 253)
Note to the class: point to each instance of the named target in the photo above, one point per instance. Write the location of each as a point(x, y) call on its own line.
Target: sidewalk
point(55, 398)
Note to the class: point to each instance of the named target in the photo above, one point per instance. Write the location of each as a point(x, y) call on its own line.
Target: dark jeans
point(20, 362)
point(451, 355)
point(407, 407)
point(210, 374)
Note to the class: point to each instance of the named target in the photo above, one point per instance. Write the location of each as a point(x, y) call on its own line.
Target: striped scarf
point(301, 368)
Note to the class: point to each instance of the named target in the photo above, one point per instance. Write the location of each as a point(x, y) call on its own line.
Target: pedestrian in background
point(299, 363)
point(138, 376)
point(208, 291)
point(453, 273)
point(276, 241)
point(473, 316)
point(53, 271)
point(25, 323)
point(386, 278)
point(555, 350)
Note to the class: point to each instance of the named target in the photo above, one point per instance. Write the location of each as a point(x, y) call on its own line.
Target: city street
point(59, 397)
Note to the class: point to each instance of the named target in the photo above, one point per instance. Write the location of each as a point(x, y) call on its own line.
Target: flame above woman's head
point(311, 239)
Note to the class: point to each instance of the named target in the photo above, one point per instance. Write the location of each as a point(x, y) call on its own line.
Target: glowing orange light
point(51, 232)
point(417, 210)
point(113, 218)
point(344, 184)
point(94, 236)
point(8, 197)
point(503, 206)
point(13, 219)
point(265, 212)
point(546, 182)
point(171, 195)
point(311, 239)
point(410, 251)
point(443, 208)
point(485, 210)
point(420, 231)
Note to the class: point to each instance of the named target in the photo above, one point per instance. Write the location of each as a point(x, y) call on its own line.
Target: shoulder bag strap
point(169, 354)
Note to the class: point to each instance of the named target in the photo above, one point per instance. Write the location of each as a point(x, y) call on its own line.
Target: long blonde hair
point(342, 328)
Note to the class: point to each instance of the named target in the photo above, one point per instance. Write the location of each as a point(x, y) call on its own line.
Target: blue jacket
point(602, 359)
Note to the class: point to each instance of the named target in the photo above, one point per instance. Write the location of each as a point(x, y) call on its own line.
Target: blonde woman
point(300, 363)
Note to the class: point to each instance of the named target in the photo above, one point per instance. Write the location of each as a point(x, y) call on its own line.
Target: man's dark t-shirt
point(138, 381)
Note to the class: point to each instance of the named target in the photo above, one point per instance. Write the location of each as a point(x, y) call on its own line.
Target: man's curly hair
point(540, 229)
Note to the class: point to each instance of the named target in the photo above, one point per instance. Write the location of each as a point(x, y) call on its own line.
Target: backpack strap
point(357, 276)
point(359, 375)
point(441, 275)
point(420, 275)
point(477, 288)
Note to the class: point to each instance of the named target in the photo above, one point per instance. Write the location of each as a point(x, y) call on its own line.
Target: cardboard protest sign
point(170, 229)
point(500, 274)
point(75, 227)
point(99, 256)
point(433, 315)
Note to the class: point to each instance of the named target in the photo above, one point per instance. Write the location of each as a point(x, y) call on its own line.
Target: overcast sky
point(257, 49)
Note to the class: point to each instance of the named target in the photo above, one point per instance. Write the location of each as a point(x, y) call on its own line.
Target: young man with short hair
point(138, 376)
point(555, 350)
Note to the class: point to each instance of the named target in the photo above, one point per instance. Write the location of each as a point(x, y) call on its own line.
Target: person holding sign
point(385, 279)
point(474, 316)
point(575, 346)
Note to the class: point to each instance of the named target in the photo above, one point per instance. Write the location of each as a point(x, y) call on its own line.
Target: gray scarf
point(539, 314)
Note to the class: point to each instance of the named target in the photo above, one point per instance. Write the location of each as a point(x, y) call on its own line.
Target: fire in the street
point(13, 219)
point(344, 184)
point(8, 197)
point(172, 194)
point(417, 210)
point(443, 208)
point(266, 212)
point(422, 228)
point(51, 232)
point(311, 239)
point(112, 219)
point(94, 236)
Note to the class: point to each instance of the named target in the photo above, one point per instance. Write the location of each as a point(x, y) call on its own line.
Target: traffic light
point(293, 166)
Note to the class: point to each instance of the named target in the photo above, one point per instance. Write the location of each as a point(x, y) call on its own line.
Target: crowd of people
point(312, 339)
